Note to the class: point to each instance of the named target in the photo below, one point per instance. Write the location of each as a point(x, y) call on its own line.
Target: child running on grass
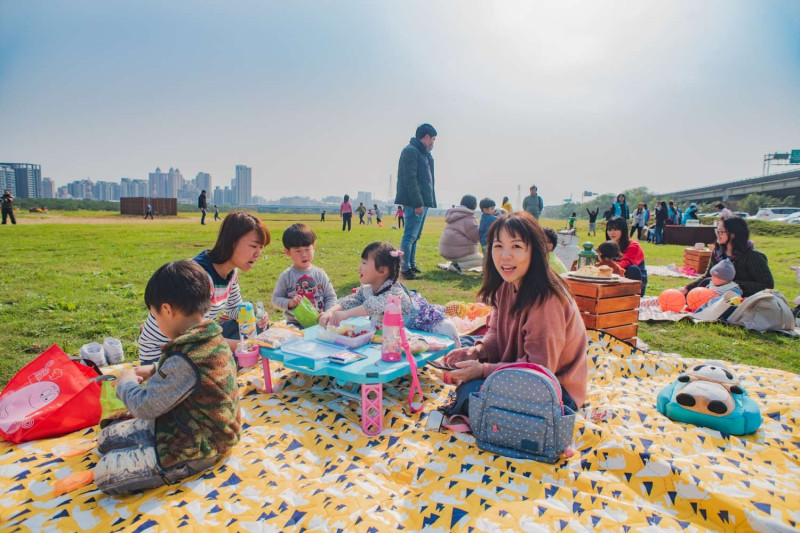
point(187, 417)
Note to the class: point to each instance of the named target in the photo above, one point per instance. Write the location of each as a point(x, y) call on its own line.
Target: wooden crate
point(611, 307)
point(696, 259)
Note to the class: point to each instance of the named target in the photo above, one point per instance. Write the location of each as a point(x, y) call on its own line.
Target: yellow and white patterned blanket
point(304, 464)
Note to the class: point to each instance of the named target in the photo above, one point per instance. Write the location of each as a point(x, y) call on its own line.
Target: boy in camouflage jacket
point(187, 418)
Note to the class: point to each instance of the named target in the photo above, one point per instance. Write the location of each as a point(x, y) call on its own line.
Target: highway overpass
point(776, 185)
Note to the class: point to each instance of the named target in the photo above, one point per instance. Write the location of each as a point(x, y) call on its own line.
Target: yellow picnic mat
point(304, 464)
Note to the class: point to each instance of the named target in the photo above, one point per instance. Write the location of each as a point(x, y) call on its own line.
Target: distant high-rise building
point(165, 184)
point(106, 191)
point(8, 178)
point(244, 185)
point(219, 198)
point(227, 196)
point(364, 196)
point(81, 189)
point(27, 179)
point(202, 182)
point(48, 188)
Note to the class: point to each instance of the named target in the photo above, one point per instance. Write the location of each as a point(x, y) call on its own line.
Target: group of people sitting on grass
point(187, 417)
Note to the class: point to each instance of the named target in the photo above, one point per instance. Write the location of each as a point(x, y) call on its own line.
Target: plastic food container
point(350, 342)
point(247, 354)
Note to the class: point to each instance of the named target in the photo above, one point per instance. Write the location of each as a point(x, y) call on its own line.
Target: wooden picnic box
point(609, 306)
point(696, 259)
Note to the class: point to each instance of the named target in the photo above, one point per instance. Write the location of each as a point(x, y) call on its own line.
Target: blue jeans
point(637, 272)
point(659, 236)
point(411, 234)
point(203, 218)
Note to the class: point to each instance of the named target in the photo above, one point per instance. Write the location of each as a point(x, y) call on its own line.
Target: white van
point(771, 213)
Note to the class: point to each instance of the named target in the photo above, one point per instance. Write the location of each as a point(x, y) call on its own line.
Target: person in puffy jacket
point(461, 237)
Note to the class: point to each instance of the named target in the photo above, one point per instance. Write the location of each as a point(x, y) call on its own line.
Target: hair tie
point(396, 253)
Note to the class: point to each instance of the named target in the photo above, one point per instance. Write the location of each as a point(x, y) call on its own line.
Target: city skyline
point(320, 99)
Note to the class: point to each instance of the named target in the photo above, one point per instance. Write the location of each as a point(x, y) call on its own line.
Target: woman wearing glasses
point(733, 242)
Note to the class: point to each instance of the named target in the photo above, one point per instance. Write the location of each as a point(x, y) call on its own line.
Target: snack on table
point(276, 335)
point(465, 310)
point(351, 327)
point(591, 271)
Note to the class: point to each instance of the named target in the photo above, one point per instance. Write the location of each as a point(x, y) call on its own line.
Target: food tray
point(351, 342)
point(614, 278)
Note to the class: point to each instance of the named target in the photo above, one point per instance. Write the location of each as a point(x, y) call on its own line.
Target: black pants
point(360, 218)
point(9, 213)
point(346, 220)
point(400, 222)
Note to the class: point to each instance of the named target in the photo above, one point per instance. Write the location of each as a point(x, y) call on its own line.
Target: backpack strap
point(463, 427)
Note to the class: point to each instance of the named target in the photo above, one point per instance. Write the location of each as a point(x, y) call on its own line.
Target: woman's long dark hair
point(738, 228)
point(620, 224)
point(235, 226)
point(540, 282)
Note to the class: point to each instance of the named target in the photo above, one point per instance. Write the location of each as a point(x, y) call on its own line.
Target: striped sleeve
point(234, 297)
point(151, 341)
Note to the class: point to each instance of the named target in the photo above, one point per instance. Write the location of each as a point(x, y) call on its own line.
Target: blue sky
point(319, 98)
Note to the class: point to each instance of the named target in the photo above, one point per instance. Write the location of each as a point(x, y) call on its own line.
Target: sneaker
point(415, 270)
point(408, 274)
point(454, 267)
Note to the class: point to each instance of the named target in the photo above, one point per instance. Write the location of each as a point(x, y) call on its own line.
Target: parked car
point(741, 214)
point(794, 218)
point(771, 213)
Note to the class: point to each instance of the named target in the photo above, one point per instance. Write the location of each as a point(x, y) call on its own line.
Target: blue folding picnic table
point(370, 373)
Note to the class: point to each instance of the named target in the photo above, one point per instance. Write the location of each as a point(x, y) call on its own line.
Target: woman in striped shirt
point(239, 243)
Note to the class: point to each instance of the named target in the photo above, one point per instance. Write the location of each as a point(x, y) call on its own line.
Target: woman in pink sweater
point(534, 318)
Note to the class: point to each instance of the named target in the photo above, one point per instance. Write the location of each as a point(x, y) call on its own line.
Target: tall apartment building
point(8, 178)
point(243, 184)
point(106, 191)
point(129, 188)
point(218, 197)
point(165, 184)
point(202, 182)
point(48, 188)
point(27, 179)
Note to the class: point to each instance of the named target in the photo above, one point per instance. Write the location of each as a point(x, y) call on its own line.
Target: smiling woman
point(534, 318)
point(239, 243)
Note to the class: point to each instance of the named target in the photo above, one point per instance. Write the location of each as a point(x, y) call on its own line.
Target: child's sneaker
point(454, 267)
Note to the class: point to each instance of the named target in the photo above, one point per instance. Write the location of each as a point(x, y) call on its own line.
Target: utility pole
point(390, 199)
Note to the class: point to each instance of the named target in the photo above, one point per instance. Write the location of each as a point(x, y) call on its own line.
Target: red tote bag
point(50, 396)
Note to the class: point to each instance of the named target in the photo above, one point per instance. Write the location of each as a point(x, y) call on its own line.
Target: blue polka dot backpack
point(519, 412)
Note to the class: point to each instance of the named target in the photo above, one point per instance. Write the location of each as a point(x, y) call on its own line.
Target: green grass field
point(82, 279)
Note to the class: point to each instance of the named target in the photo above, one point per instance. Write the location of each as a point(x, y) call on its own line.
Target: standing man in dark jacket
point(202, 203)
point(8, 207)
point(415, 192)
point(533, 203)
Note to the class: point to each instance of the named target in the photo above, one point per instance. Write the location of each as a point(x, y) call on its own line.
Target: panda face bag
point(709, 395)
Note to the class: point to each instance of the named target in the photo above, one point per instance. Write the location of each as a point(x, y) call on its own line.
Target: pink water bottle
point(391, 349)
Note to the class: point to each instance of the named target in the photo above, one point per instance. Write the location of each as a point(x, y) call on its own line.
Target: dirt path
point(38, 218)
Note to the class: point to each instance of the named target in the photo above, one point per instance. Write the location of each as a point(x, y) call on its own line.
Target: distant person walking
point(216, 213)
point(369, 217)
point(378, 216)
point(346, 212)
point(361, 210)
point(506, 205)
point(416, 193)
point(8, 207)
point(322, 216)
point(400, 216)
point(202, 203)
point(661, 220)
point(533, 203)
point(148, 212)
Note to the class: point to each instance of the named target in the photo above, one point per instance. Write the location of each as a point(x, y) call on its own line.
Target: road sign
point(780, 156)
point(795, 159)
